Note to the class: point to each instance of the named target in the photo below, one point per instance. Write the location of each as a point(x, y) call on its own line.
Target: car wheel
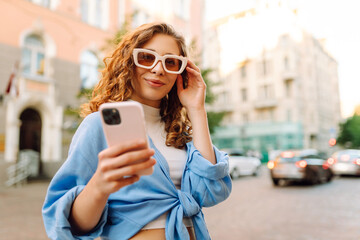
point(235, 173)
point(329, 177)
point(322, 178)
point(256, 172)
point(275, 181)
point(311, 177)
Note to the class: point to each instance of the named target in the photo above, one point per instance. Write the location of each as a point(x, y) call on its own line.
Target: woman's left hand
point(193, 99)
point(193, 96)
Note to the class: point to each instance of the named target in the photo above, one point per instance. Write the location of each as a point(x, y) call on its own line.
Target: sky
point(336, 20)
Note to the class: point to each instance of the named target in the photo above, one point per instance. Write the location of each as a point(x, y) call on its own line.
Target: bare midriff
point(157, 234)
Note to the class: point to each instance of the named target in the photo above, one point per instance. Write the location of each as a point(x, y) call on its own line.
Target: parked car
point(242, 165)
point(300, 165)
point(345, 162)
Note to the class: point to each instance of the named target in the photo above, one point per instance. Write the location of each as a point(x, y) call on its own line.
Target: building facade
point(277, 84)
point(49, 51)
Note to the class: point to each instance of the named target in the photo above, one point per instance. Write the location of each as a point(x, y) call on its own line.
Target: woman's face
point(151, 85)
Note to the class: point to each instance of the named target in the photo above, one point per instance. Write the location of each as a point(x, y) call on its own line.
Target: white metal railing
point(18, 173)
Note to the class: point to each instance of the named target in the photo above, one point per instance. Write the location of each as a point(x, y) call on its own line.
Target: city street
point(255, 210)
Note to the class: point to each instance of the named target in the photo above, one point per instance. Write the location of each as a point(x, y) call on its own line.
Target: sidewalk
point(20, 211)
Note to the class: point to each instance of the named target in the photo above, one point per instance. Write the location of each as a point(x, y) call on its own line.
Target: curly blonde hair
point(119, 72)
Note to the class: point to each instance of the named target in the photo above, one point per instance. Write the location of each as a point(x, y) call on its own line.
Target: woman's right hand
point(118, 166)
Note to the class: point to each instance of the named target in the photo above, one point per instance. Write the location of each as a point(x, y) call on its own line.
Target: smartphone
point(124, 121)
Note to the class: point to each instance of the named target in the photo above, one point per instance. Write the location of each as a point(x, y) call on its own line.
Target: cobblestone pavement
point(20, 211)
point(256, 210)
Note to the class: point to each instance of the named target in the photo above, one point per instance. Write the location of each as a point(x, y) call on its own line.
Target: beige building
point(49, 51)
point(277, 84)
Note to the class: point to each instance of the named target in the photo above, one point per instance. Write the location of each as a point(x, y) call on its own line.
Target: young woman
point(89, 196)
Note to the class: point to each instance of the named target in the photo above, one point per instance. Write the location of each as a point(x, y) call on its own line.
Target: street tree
point(214, 118)
point(349, 133)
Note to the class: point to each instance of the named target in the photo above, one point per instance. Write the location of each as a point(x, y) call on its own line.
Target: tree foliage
point(214, 118)
point(349, 134)
point(112, 42)
point(210, 96)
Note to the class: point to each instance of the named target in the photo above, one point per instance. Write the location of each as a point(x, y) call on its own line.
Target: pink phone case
point(123, 121)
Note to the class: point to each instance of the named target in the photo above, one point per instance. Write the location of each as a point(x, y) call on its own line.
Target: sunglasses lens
point(173, 64)
point(145, 59)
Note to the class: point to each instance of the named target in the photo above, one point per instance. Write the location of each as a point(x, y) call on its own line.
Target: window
point(284, 40)
point(223, 98)
point(243, 71)
point(84, 10)
point(286, 63)
point(261, 116)
point(264, 67)
point(288, 88)
point(266, 92)
point(33, 56)
point(98, 13)
point(89, 70)
point(181, 8)
point(244, 94)
point(44, 3)
point(121, 12)
point(139, 18)
point(288, 115)
point(95, 12)
point(272, 115)
point(245, 118)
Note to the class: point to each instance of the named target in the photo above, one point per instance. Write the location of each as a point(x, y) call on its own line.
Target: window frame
point(89, 68)
point(35, 51)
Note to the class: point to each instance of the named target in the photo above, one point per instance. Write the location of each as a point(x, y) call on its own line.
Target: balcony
point(221, 107)
point(289, 75)
point(265, 103)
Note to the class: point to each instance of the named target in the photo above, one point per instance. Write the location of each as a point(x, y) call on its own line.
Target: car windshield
point(349, 155)
point(294, 156)
point(289, 159)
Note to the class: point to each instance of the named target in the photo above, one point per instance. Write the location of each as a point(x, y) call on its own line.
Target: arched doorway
point(30, 136)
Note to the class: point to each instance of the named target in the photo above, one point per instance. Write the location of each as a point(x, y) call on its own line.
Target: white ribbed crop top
point(176, 158)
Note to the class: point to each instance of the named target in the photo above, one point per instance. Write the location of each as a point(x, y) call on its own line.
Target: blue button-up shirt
point(132, 207)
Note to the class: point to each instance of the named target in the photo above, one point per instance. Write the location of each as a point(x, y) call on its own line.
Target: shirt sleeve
point(208, 183)
point(71, 179)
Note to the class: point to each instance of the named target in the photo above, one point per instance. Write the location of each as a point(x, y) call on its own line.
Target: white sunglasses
point(147, 59)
